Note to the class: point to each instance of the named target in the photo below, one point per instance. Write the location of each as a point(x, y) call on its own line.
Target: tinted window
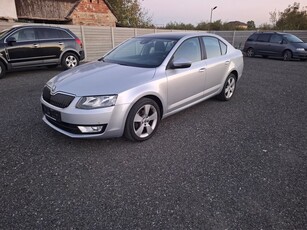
point(24, 35)
point(190, 50)
point(263, 37)
point(212, 46)
point(50, 33)
point(275, 38)
point(253, 37)
point(64, 34)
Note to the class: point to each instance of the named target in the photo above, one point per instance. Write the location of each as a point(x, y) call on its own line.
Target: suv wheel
point(70, 60)
point(250, 52)
point(287, 55)
point(2, 70)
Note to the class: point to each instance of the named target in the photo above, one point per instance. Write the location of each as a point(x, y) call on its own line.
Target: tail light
point(79, 42)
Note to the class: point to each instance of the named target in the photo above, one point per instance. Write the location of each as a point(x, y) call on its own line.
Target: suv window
point(213, 48)
point(48, 33)
point(275, 38)
point(27, 34)
point(263, 37)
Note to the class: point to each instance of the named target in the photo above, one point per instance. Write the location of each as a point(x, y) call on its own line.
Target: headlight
point(96, 102)
point(300, 49)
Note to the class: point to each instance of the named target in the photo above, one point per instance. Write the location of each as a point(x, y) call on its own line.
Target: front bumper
point(68, 120)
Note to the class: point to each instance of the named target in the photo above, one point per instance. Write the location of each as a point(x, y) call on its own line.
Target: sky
point(196, 11)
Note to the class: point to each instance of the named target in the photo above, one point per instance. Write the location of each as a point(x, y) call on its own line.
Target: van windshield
point(292, 38)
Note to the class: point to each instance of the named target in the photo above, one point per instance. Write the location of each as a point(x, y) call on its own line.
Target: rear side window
point(214, 47)
point(50, 33)
point(263, 38)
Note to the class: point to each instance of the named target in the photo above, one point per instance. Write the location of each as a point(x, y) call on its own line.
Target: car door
point(22, 48)
point(263, 45)
point(277, 46)
point(51, 43)
point(186, 85)
point(217, 64)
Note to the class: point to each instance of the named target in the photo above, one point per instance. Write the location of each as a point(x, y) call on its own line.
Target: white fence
point(99, 40)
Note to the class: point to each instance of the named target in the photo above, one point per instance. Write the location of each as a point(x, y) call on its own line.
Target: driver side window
point(189, 50)
point(24, 35)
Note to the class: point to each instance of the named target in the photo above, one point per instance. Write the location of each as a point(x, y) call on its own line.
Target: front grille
point(59, 100)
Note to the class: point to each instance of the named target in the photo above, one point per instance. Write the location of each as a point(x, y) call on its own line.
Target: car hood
point(300, 45)
point(99, 78)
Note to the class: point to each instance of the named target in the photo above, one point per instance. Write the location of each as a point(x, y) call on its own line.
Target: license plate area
point(51, 113)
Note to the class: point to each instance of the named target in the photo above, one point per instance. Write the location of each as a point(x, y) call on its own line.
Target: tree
point(292, 18)
point(251, 25)
point(179, 26)
point(129, 13)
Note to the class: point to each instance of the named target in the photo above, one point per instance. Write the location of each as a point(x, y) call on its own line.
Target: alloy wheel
point(145, 121)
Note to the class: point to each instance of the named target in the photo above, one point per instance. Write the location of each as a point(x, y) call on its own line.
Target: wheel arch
point(69, 51)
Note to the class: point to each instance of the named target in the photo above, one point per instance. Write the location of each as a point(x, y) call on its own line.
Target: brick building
point(76, 12)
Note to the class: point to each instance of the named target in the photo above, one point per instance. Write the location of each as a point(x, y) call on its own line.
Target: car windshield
point(141, 52)
point(292, 39)
point(3, 33)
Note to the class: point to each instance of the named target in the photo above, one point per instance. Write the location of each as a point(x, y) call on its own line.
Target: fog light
point(91, 129)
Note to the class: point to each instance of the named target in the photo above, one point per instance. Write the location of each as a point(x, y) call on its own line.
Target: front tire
point(143, 120)
point(228, 88)
point(70, 60)
point(287, 55)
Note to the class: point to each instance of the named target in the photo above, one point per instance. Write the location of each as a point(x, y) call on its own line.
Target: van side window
point(263, 38)
point(275, 38)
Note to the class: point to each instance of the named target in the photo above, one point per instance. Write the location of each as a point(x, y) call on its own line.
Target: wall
point(9, 11)
point(99, 40)
point(95, 12)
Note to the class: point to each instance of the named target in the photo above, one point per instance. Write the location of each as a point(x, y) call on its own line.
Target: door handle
point(61, 43)
point(227, 62)
point(202, 70)
point(35, 45)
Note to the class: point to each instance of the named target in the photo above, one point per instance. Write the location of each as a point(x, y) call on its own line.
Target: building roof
point(48, 10)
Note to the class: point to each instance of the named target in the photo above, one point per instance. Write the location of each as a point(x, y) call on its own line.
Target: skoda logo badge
point(53, 89)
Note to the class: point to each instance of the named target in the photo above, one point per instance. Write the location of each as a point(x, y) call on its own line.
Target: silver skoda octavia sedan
point(138, 83)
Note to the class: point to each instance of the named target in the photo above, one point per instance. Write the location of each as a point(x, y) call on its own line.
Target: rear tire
point(2, 70)
point(250, 52)
point(70, 60)
point(229, 88)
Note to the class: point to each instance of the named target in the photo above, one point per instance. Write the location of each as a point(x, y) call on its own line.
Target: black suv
point(283, 45)
point(25, 46)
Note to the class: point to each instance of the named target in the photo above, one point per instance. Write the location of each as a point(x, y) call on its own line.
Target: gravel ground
point(218, 165)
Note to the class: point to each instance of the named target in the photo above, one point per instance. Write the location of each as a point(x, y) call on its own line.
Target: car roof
point(36, 26)
point(174, 35)
point(281, 33)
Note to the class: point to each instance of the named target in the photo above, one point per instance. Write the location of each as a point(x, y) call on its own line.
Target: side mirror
point(181, 63)
point(11, 40)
